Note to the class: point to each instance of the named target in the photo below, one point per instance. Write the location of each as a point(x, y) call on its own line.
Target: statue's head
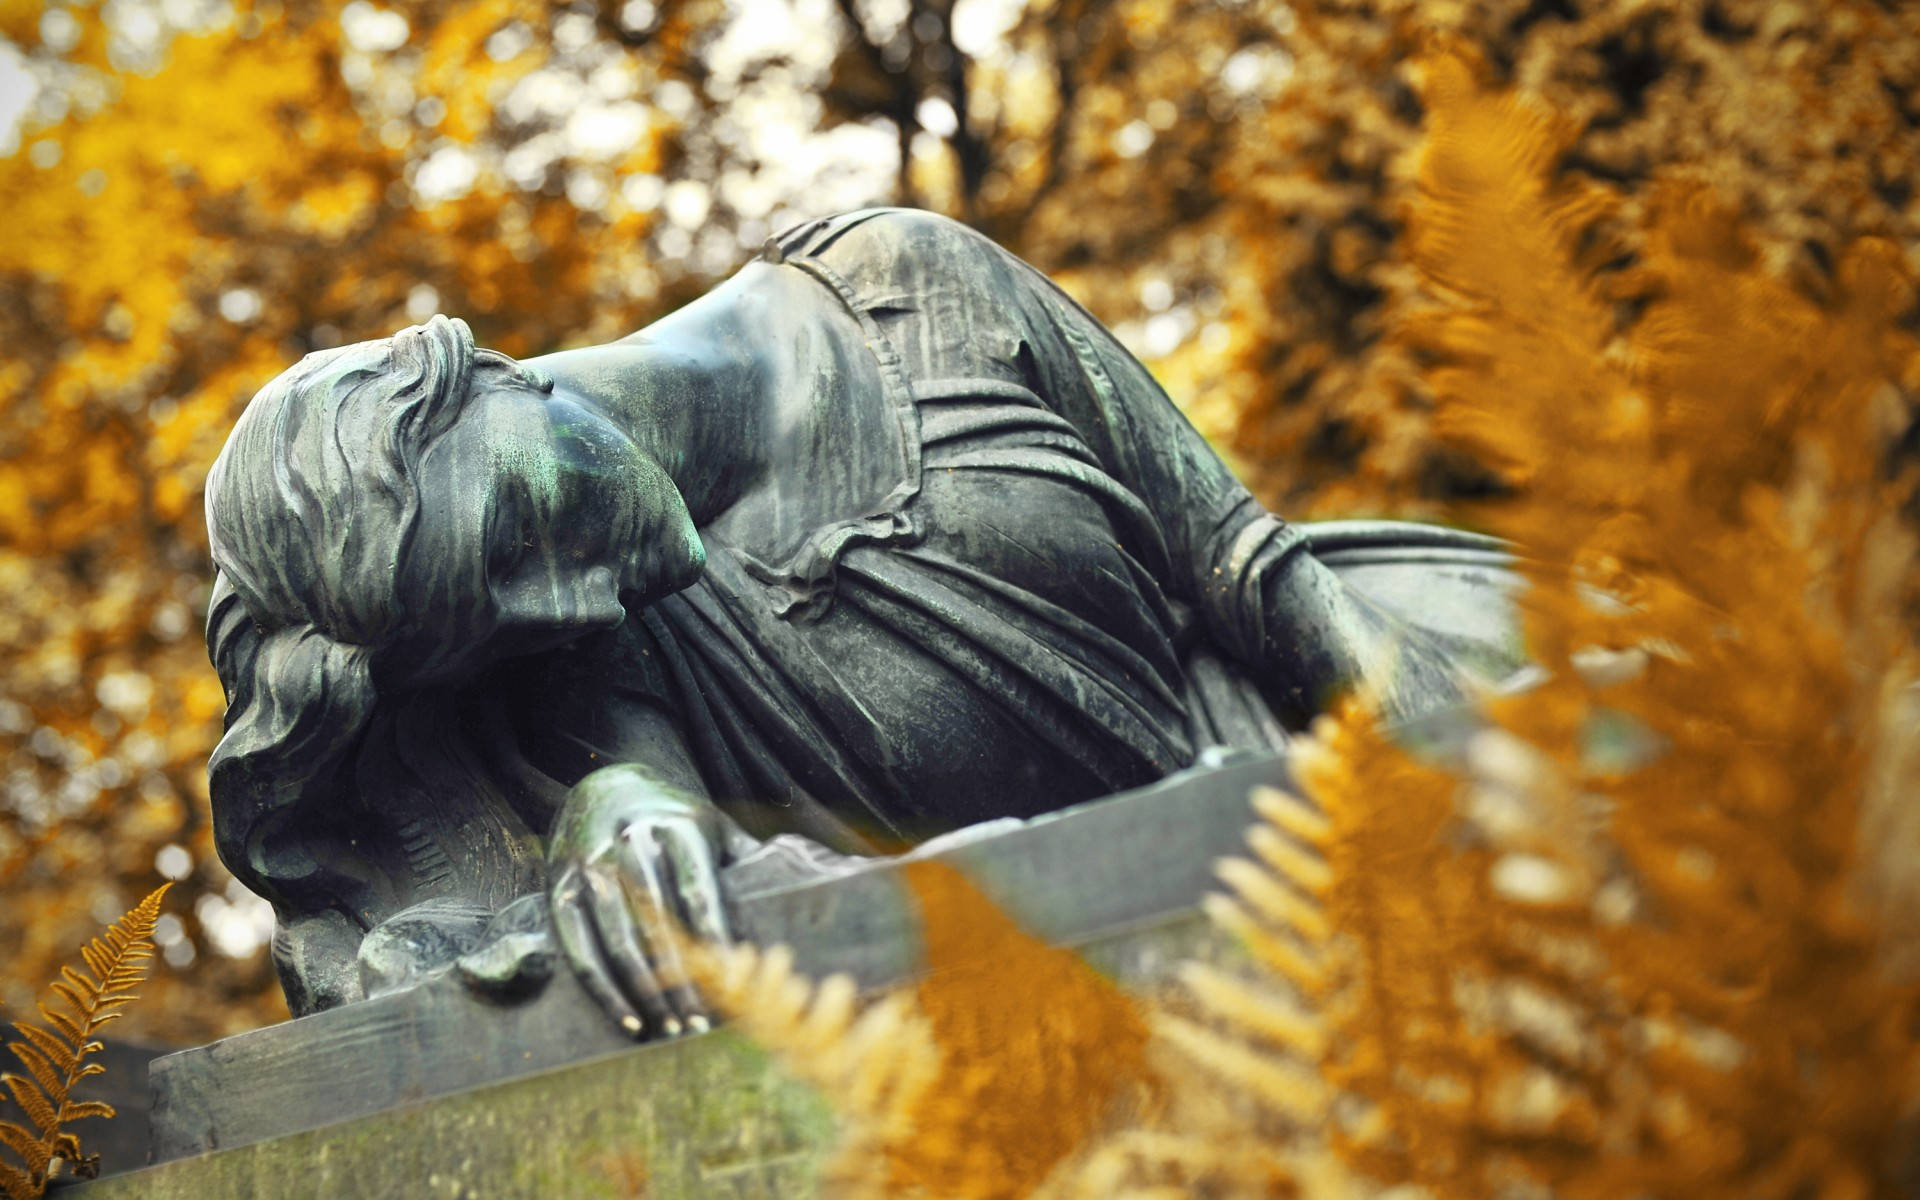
point(392, 516)
point(438, 505)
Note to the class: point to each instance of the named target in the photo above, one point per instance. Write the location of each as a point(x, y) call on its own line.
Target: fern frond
point(1246, 1102)
point(1281, 954)
point(18, 1184)
point(952, 1087)
point(875, 1065)
point(1686, 999)
point(1272, 900)
point(95, 956)
point(1304, 870)
point(76, 989)
point(893, 1039)
point(1258, 1010)
point(64, 1024)
point(29, 1148)
point(59, 1053)
point(79, 1110)
point(1293, 1090)
point(56, 1059)
point(52, 1082)
point(1292, 816)
point(817, 1029)
point(75, 998)
point(37, 1107)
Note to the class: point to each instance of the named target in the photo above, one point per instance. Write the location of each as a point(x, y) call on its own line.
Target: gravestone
point(434, 1091)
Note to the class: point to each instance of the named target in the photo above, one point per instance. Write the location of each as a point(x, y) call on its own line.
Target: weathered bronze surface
point(883, 537)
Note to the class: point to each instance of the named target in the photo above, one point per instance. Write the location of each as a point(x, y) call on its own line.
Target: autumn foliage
point(1004, 1060)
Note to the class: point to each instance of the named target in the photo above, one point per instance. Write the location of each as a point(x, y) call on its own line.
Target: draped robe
point(1024, 580)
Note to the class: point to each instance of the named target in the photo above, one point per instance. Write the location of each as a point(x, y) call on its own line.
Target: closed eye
point(510, 529)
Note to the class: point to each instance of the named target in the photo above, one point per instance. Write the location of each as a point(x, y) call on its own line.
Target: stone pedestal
point(434, 1091)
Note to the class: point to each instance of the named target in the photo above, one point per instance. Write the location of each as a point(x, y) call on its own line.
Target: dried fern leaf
point(23, 1143)
point(52, 1082)
point(1289, 1090)
point(1289, 959)
point(76, 997)
point(1304, 870)
point(829, 1015)
point(64, 1024)
point(1273, 900)
point(56, 1058)
point(59, 1053)
point(1256, 1009)
point(1292, 815)
point(1268, 1045)
point(1697, 495)
point(18, 1184)
point(78, 1110)
point(883, 1021)
point(36, 1106)
point(96, 957)
point(894, 1054)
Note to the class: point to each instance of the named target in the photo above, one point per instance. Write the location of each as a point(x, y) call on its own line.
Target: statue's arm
point(632, 856)
point(639, 849)
point(1261, 594)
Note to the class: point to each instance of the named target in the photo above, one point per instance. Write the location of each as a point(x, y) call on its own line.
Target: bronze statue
point(883, 537)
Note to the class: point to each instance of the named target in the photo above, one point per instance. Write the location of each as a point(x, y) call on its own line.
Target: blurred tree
point(1239, 172)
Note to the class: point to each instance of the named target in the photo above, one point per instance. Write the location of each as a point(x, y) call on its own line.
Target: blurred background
point(194, 193)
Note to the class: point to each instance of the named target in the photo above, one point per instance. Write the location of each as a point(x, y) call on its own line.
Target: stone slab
point(1098, 876)
point(701, 1118)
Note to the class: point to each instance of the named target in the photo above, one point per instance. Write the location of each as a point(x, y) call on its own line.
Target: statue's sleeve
point(959, 316)
point(1228, 556)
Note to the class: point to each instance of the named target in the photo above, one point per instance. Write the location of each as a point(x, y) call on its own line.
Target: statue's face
point(574, 522)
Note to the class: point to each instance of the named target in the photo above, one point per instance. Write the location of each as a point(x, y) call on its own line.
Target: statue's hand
point(1330, 638)
point(1406, 672)
point(631, 855)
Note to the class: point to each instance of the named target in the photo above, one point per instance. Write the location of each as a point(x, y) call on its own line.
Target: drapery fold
point(1012, 632)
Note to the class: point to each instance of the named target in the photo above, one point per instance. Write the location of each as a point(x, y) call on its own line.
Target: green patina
point(529, 458)
point(709, 1117)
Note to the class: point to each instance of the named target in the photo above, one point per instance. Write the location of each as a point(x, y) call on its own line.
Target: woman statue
point(883, 537)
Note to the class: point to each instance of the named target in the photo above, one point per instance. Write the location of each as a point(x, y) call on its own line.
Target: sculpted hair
point(313, 502)
point(311, 509)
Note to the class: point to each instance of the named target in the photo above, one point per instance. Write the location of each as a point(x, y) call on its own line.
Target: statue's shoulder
point(877, 234)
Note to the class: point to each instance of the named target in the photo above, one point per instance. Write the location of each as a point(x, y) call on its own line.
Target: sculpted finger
point(648, 869)
point(695, 886)
point(582, 949)
point(631, 967)
point(696, 882)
